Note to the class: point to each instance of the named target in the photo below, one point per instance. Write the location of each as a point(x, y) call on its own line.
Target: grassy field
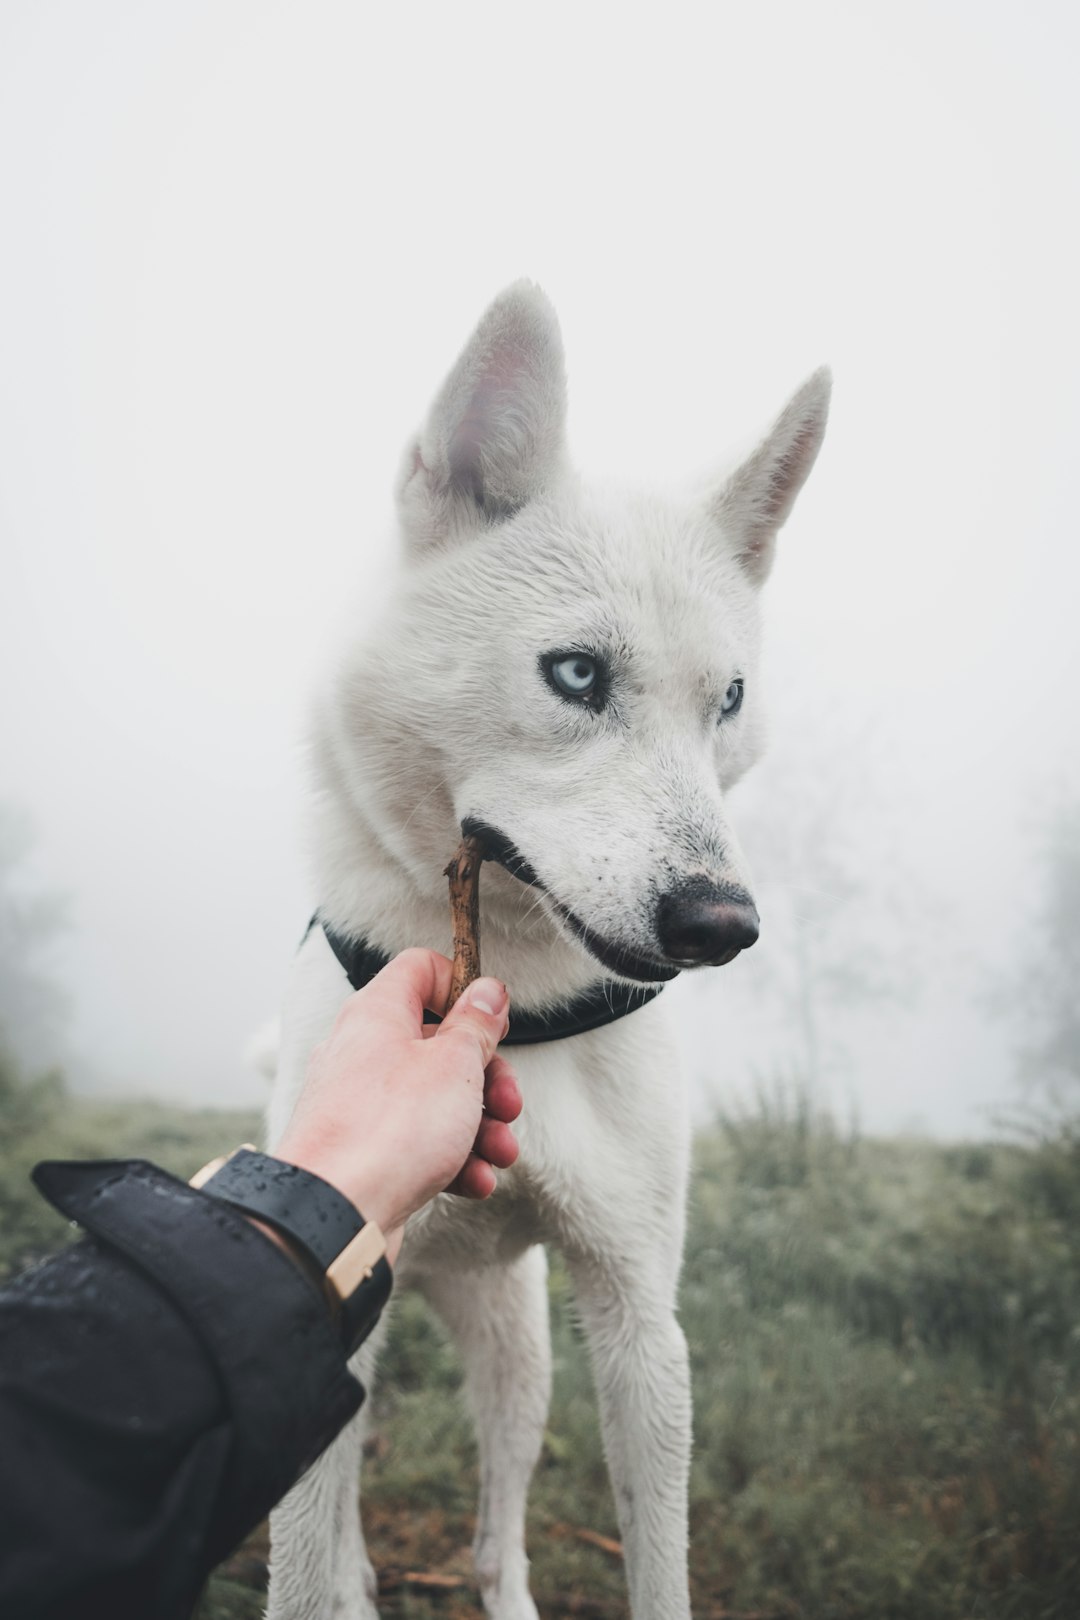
point(886, 1350)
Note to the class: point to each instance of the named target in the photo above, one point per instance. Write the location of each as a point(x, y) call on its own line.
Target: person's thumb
point(484, 1010)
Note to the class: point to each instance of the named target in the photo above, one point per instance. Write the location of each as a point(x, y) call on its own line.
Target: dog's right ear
point(495, 435)
point(755, 500)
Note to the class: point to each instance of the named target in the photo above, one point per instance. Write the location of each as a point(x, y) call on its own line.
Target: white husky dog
point(575, 674)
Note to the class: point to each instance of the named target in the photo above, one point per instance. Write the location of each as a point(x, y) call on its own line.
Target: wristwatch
point(346, 1253)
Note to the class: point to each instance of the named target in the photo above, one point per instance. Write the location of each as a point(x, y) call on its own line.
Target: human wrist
point(365, 1189)
point(344, 1255)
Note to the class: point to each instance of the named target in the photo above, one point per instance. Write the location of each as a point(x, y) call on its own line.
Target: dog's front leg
point(642, 1378)
point(499, 1320)
point(319, 1566)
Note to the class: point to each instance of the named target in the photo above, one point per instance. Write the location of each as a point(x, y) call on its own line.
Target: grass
point(39, 1120)
point(885, 1338)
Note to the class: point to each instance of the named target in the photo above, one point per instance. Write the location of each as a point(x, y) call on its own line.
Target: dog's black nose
point(701, 922)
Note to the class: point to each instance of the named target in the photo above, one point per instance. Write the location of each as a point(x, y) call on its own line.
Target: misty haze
point(242, 247)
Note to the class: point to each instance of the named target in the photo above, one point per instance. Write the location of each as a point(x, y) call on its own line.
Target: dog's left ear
point(495, 436)
point(755, 500)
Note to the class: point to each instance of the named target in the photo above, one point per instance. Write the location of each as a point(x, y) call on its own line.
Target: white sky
point(241, 245)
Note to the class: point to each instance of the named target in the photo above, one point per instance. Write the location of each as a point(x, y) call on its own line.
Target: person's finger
point(496, 1143)
point(475, 1179)
point(502, 1094)
point(401, 990)
point(483, 1011)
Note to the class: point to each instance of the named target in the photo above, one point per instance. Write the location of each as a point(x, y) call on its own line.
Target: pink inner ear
point(491, 420)
point(465, 447)
point(786, 478)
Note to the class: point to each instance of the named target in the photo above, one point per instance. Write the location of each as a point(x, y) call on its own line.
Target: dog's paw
point(504, 1587)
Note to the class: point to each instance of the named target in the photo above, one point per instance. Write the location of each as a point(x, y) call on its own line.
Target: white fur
point(444, 714)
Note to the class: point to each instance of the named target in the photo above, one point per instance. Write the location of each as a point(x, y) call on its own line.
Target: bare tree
point(836, 888)
point(1048, 990)
point(33, 1007)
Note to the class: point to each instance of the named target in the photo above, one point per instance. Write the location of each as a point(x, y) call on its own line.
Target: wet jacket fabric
point(163, 1382)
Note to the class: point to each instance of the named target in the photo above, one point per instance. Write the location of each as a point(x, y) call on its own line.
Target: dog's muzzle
point(698, 923)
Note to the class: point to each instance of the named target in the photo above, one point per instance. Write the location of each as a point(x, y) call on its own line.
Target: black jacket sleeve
point(162, 1384)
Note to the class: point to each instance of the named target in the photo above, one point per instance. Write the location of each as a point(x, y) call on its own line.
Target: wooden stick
point(464, 874)
point(593, 1537)
point(392, 1580)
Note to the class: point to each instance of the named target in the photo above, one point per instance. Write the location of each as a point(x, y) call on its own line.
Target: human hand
point(394, 1111)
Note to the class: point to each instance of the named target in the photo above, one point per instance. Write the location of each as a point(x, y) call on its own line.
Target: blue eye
point(732, 700)
point(575, 675)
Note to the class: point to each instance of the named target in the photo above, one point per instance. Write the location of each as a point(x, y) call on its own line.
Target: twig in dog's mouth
point(464, 874)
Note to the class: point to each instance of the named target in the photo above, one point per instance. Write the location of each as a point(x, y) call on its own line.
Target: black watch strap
point(349, 1251)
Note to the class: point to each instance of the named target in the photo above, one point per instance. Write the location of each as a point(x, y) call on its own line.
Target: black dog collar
point(603, 1004)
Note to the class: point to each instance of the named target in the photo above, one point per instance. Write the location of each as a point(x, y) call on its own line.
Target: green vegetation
point(39, 1120)
point(886, 1350)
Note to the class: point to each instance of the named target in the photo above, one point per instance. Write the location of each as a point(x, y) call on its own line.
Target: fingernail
point(489, 996)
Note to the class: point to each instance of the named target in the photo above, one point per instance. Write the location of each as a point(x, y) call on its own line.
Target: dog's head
point(577, 669)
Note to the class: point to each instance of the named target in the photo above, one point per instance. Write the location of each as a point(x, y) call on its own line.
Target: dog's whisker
point(420, 803)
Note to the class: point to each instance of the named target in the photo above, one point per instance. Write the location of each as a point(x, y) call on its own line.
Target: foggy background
point(242, 244)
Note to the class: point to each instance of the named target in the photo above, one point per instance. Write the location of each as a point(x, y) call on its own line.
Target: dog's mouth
point(617, 959)
point(498, 848)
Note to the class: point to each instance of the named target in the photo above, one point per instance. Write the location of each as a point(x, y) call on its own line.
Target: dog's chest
point(535, 1202)
point(454, 1235)
point(597, 1122)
